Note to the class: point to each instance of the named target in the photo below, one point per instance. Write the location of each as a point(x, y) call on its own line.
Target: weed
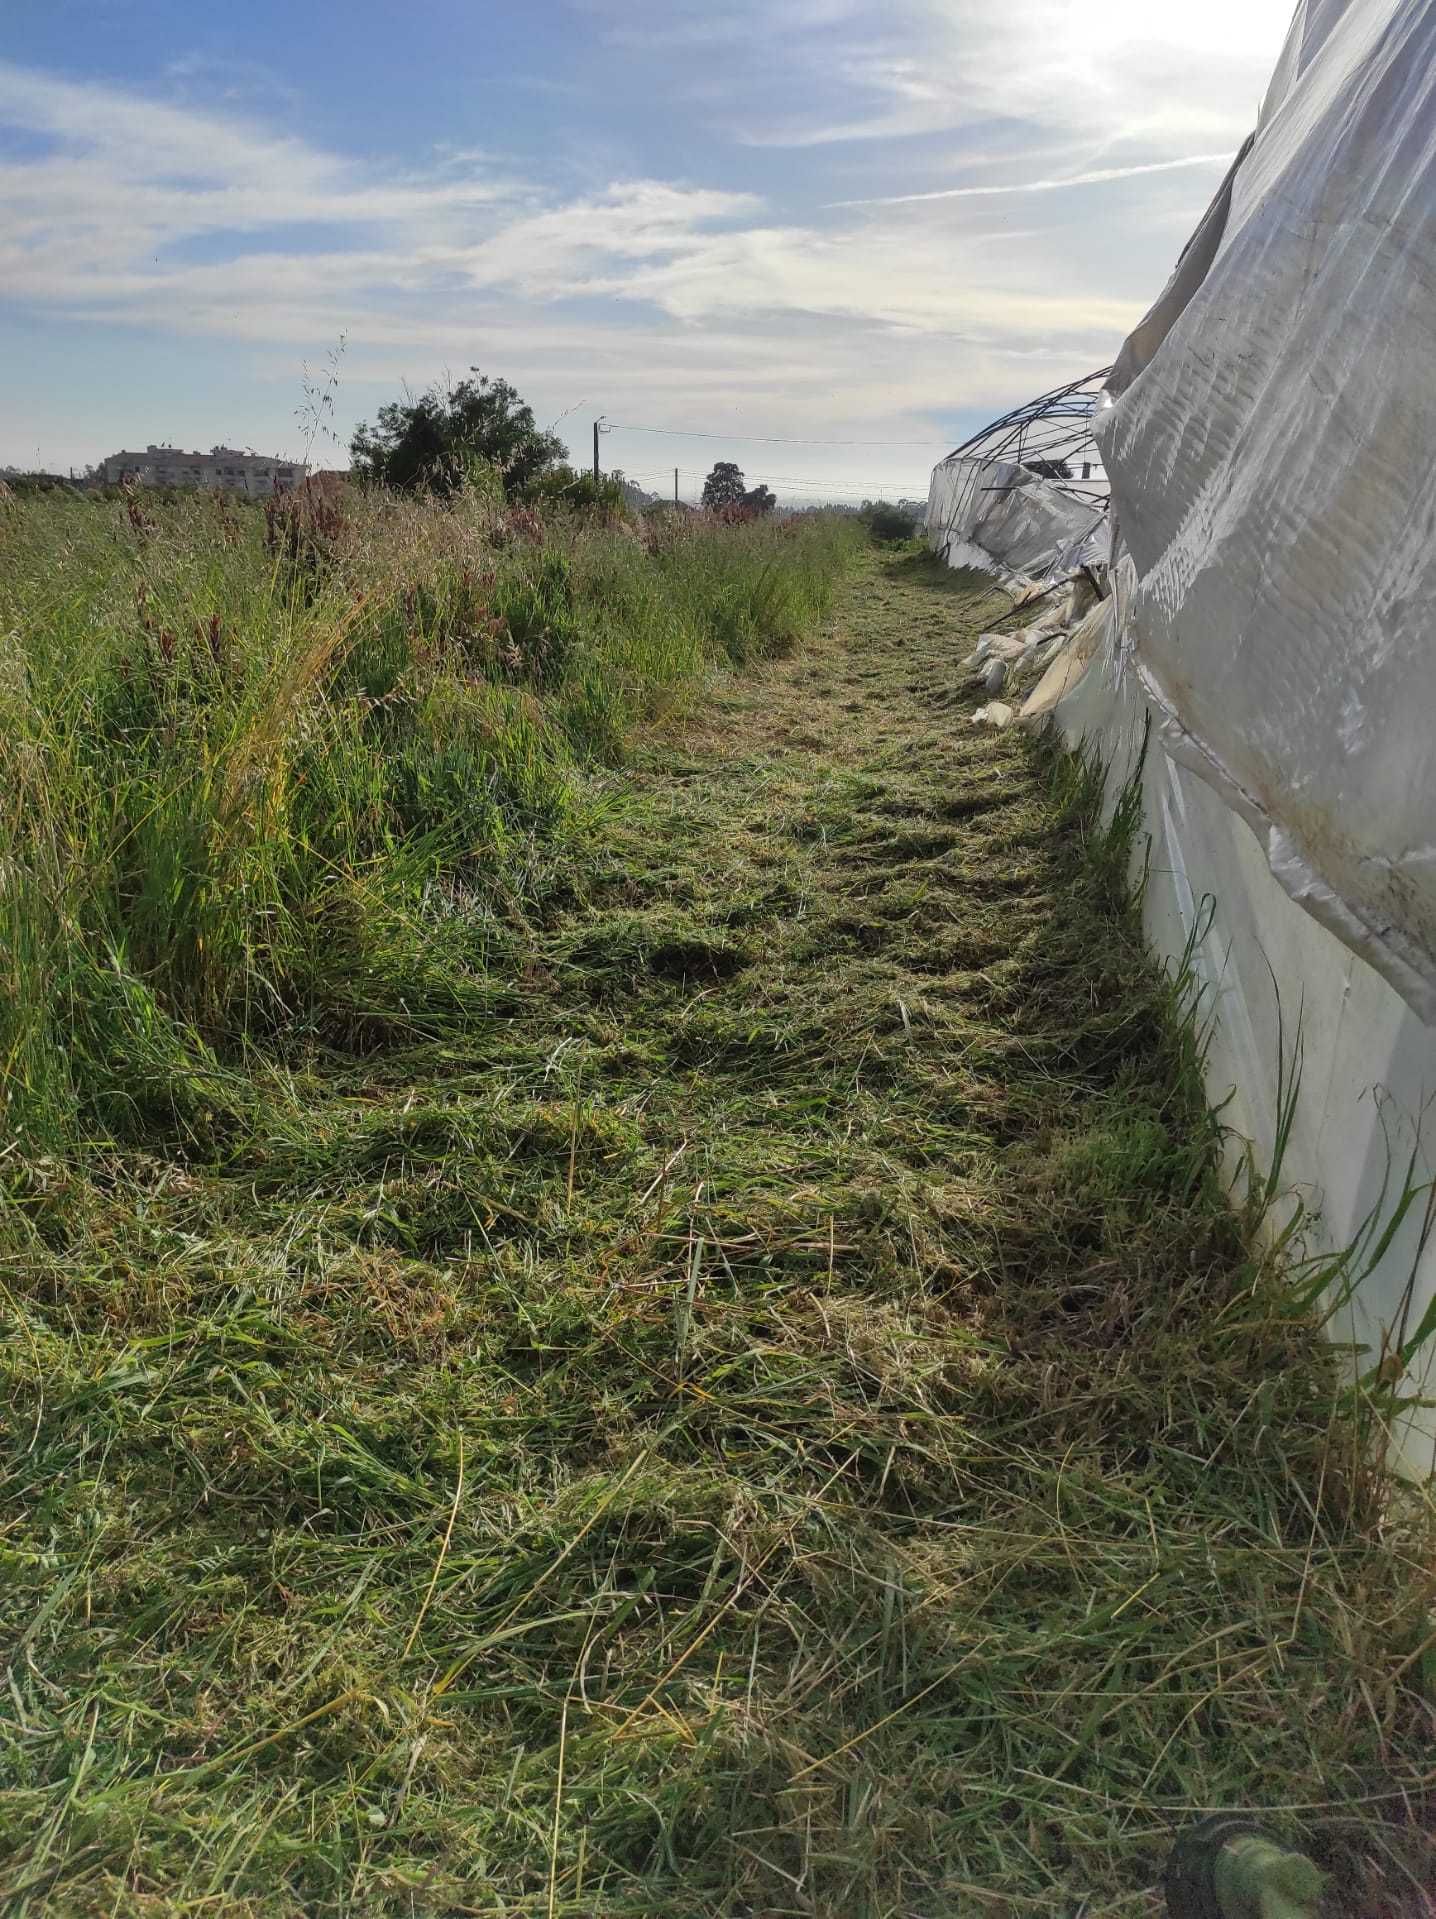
point(304, 765)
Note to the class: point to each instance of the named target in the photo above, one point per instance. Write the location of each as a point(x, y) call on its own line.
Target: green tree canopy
point(889, 522)
point(725, 485)
point(432, 444)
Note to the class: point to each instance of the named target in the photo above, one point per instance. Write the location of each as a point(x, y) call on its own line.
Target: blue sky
point(776, 223)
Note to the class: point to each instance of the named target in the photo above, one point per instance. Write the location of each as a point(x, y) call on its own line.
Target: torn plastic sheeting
point(1068, 663)
point(1272, 465)
point(1191, 269)
point(999, 515)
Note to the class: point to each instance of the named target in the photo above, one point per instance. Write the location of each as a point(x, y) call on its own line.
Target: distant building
point(223, 467)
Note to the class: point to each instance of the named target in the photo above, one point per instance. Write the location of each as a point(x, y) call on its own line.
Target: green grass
point(718, 1377)
point(300, 772)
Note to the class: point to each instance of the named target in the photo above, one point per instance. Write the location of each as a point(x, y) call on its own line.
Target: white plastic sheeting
point(999, 515)
point(1278, 993)
point(1271, 445)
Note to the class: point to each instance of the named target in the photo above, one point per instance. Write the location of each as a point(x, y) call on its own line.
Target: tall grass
point(297, 770)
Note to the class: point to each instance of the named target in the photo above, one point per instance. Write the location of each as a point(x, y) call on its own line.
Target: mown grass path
point(779, 1420)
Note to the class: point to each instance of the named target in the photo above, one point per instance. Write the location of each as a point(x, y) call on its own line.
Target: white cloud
point(1097, 176)
point(104, 223)
point(823, 315)
point(1062, 77)
point(124, 175)
point(557, 252)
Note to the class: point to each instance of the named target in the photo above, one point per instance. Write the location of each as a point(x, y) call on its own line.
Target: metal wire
point(1046, 436)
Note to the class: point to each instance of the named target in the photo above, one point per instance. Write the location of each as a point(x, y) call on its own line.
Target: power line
point(818, 488)
point(839, 492)
point(804, 479)
point(787, 481)
point(763, 439)
point(793, 479)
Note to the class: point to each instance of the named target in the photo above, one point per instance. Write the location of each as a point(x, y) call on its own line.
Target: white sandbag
point(1000, 646)
point(987, 664)
point(1066, 664)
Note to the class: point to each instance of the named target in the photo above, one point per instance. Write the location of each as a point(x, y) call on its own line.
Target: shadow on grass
point(917, 565)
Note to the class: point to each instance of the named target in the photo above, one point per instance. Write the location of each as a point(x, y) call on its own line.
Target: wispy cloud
point(222, 219)
point(573, 248)
point(123, 174)
point(231, 80)
point(1098, 176)
point(103, 220)
point(798, 75)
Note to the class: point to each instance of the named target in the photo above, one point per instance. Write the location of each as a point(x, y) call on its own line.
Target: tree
point(760, 499)
point(637, 496)
point(433, 444)
point(725, 485)
point(888, 522)
point(561, 485)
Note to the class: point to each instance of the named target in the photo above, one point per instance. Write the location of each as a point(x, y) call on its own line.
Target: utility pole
point(595, 450)
point(675, 486)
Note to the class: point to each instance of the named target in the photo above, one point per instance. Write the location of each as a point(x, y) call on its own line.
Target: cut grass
point(772, 1414)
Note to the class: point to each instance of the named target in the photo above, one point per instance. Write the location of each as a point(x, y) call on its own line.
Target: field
point(620, 1296)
